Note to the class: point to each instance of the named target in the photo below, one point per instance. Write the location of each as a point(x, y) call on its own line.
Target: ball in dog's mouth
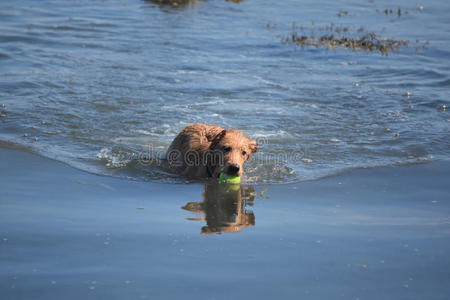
point(231, 179)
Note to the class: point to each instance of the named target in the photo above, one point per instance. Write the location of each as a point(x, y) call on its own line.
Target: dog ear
point(253, 145)
point(216, 139)
point(213, 132)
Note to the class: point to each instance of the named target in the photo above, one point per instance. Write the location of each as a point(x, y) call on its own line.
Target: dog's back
point(195, 139)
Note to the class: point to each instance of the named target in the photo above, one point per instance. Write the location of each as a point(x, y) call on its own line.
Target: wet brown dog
point(202, 150)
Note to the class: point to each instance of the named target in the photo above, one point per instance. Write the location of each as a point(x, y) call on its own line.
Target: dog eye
point(227, 149)
point(244, 153)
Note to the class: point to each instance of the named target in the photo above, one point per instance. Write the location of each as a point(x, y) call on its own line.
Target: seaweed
point(174, 3)
point(390, 11)
point(180, 4)
point(338, 37)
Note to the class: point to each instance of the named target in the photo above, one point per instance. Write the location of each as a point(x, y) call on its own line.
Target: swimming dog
point(202, 151)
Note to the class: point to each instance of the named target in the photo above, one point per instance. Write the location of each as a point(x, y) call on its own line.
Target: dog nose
point(233, 169)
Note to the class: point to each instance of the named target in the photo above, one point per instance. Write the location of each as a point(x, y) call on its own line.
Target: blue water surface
point(96, 83)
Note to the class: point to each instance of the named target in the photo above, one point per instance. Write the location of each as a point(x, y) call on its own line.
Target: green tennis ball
point(225, 178)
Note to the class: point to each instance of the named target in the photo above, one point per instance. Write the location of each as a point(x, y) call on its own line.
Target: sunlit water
point(97, 84)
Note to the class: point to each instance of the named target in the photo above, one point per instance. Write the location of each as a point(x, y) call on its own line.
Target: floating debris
point(407, 94)
point(390, 11)
point(342, 13)
point(442, 107)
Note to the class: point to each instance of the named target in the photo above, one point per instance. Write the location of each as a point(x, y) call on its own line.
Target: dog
point(202, 151)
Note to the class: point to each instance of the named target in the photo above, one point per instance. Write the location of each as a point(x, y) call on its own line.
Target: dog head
point(235, 149)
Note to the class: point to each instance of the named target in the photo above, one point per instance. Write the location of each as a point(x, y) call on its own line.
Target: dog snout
point(233, 169)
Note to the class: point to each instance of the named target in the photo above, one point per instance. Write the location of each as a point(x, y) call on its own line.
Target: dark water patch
point(14, 86)
point(398, 71)
point(443, 83)
point(438, 105)
point(47, 41)
point(21, 38)
point(47, 29)
point(122, 67)
point(195, 68)
point(52, 85)
point(90, 45)
point(181, 45)
point(93, 22)
point(102, 106)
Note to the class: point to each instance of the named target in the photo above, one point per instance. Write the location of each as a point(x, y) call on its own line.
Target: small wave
point(443, 83)
point(141, 131)
point(74, 28)
point(113, 160)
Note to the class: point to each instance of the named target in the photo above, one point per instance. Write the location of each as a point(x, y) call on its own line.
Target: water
point(95, 84)
point(369, 234)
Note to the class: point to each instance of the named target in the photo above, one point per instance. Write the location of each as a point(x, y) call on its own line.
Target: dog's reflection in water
point(224, 208)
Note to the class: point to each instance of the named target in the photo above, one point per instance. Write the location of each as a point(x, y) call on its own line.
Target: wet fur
point(201, 139)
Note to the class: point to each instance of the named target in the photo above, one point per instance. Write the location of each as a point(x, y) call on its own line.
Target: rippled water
point(97, 83)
